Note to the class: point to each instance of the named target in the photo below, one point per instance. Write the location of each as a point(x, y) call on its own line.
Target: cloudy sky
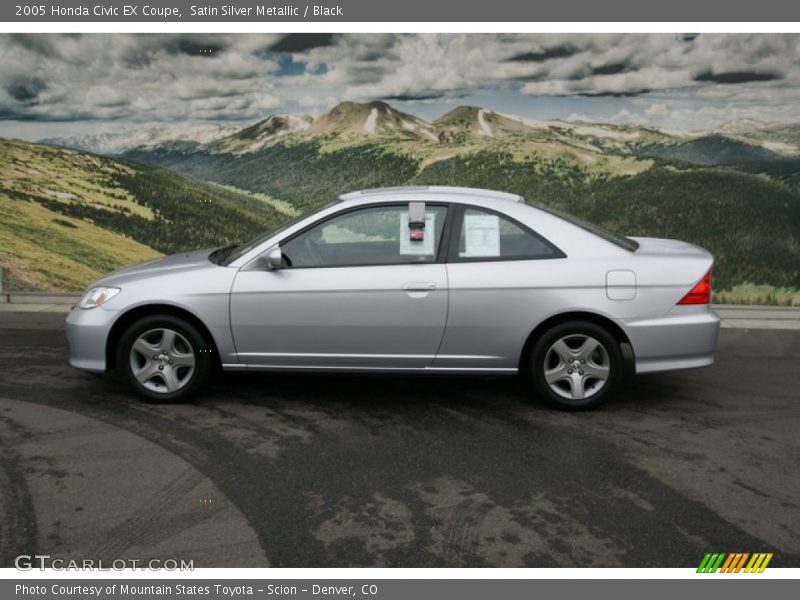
point(63, 84)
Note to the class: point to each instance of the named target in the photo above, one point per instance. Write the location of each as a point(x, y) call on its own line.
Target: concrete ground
point(319, 471)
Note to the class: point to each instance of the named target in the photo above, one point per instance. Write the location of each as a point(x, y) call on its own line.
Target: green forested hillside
point(711, 150)
point(67, 217)
point(297, 173)
point(749, 222)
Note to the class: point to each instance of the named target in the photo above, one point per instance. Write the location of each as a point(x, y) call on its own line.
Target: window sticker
point(422, 247)
point(416, 221)
point(481, 236)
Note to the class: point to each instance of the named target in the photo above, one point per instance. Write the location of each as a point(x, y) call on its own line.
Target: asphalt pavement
point(332, 471)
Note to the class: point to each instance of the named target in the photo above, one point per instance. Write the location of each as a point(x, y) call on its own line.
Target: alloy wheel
point(576, 366)
point(162, 360)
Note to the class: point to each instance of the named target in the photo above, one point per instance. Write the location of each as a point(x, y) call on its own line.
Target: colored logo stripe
point(758, 563)
point(734, 562)
point(711, 563)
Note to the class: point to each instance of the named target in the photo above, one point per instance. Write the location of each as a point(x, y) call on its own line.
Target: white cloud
point(656, 78)
point(657, 109)
point(626, 116)
point(573, 117)
point(134, 77)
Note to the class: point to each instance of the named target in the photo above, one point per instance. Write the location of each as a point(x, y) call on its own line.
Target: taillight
point(701, 293)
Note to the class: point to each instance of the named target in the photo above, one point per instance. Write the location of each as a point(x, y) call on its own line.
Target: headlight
point(97, 296)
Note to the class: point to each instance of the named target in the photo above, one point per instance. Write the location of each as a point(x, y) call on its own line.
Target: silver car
point(409, 280)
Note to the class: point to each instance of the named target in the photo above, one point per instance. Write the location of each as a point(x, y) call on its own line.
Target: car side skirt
point(367, 369)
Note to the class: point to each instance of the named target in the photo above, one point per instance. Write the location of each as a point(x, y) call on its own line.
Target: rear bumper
point(87, 333)
point(684, 338)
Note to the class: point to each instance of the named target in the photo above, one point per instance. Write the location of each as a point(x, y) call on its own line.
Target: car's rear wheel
point(576, 365)
point(164, 358)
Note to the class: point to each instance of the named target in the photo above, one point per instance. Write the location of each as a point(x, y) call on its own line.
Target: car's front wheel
point(164, 358)
point(576, 365)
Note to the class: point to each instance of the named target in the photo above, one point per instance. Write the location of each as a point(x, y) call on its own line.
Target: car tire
point(164, 358)
point(576, 365)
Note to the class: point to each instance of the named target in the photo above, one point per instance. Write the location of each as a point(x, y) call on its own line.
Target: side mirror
point(274, 258)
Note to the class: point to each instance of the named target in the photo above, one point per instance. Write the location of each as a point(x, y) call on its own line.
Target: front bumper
point(87, 334)
point(684, 338)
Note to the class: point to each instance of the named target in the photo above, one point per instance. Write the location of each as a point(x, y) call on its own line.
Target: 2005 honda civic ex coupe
point(409, 280)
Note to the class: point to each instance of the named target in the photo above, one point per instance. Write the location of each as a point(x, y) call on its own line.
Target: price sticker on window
point(481, 236)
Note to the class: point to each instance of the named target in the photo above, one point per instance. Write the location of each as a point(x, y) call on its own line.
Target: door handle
point(426, 286)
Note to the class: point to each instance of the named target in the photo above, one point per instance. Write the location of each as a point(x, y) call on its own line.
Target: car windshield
point(609, 236)
point(225, 256)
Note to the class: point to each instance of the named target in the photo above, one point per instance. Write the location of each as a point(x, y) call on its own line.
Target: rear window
point(609, 236)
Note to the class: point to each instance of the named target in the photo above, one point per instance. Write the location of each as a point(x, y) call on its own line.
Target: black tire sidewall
point(203, 357)
point(559, 331)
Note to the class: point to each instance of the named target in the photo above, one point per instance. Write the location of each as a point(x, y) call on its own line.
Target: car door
point(499, 280)
point(354, 291)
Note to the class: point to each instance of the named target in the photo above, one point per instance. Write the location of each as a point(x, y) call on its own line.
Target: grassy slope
point(67, 217)
point(43, 249)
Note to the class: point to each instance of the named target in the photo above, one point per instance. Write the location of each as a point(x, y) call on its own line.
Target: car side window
point(486, 235)
point(377, 235)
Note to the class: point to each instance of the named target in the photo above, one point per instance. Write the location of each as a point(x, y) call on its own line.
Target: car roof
point(428, 192)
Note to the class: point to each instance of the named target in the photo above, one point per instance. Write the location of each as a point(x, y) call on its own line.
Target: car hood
point(176, 262)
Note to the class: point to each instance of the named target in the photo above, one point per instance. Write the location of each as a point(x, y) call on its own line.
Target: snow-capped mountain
point(742, 126)
point(129, 139)
point(264, 132)
point(378, 122)
point(371, 119)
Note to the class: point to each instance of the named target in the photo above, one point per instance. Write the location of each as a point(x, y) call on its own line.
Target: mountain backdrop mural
point(87, 200)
